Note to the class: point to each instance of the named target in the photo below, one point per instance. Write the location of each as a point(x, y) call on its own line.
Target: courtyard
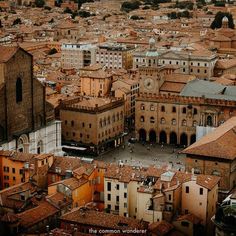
point(138, 154)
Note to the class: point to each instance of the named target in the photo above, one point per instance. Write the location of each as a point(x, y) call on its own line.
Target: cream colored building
point(96, 123)
point(186, 60)
point(77, 56)
point(95, 81)
point(199, 198)
point(155, 194)
point(128, 89)
point(115, 56)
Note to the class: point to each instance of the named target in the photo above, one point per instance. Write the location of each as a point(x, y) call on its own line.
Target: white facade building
point(45, 140)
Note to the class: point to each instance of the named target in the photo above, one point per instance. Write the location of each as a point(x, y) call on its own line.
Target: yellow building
point(14, 168)
point(83, 185)
point(96, 123)
point(178, 109)
point(95, 81)
point(127, 89)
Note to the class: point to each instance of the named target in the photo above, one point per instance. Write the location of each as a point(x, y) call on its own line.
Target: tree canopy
point(130, 6)
point(39, 3)
point(217, 22)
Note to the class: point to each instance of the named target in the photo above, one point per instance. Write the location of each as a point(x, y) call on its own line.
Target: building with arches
point(98, 123)
point(27, 122)
point(176, 109)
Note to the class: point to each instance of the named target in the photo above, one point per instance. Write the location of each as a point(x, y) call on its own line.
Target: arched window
point(163, 108)
point(104, 122)
point(72, 123)
point(184, 122)
point(209, 121)
point(121, 115)
point(152, 108)
point(100, 122)
point(194, 123)
point(18, 90)
point(40, 147)
point(174, 109)
point(142, 119)
point(173, 121)
point(184, 110)
point(108, 120)
point(163, 121)
point(152, 119)
point(195, 111)
point(142, 107)
point(117, 116)
point(113, 118)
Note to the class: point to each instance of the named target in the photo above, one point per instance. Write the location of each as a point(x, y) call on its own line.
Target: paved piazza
point(144, 155)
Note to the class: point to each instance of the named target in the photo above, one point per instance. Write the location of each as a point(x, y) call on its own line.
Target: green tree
point(39, 3)
point(130, 6)
point(217, 22)
point(84, 14)
point(52, 51)
point(68, 10)
point(17, 21)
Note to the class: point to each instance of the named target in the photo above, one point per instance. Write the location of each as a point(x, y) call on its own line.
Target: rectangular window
point(109, 197)
point(21, 171)
point(13, 170)
point(125, 195)
point(117, 186)
point(117, 208)
point(169, 197)
point(125, 205)
point(201, 191)
point(187, 189)
point(108, 186)
point(6, 169)
point(117, 198)
point(108, 206)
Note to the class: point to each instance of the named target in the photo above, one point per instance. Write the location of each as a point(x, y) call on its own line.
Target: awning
point(75, 148)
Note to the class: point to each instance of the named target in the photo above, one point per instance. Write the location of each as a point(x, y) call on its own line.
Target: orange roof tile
point(220, 143)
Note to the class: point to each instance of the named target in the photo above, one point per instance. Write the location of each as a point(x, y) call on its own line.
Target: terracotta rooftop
point(172, 87)
point(220, 143)
point(58, 199)
point(160, 228)
point(17, 156)
point(128, 173)
point(64, 163)
point(225, 63)
point(86, 216)
point(6, 53)
point(189, 217)
point(10, 197)
point(72, 183)
point(37, 214)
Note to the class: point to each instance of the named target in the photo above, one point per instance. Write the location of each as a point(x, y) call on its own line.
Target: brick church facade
point(26, 119)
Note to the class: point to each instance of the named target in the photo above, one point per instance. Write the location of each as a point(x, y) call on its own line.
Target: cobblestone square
point(137, 154)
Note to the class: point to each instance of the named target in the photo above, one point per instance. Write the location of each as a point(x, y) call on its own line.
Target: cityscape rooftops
point(219, 144)
point(87, 216)
point(200, 88)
